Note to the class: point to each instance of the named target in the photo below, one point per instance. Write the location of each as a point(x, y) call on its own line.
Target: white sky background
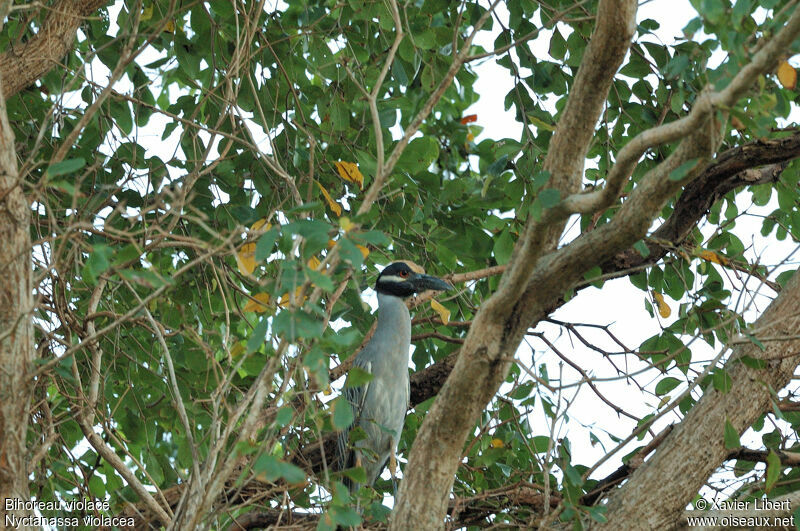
point(618, 303)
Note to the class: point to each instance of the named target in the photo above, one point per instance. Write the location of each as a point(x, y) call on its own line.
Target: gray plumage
point(380, 406)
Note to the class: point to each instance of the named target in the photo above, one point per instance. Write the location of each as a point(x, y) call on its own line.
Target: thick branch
point(17, 352)
point(20, 66)
point(656, 493)
point(735, 167)
point(498, 327)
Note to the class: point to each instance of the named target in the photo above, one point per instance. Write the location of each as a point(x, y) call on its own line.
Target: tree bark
point(655, 496)
point(20, 66)
point(16, 327)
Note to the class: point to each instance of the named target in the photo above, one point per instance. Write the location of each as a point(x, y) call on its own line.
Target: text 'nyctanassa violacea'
point(380, 405)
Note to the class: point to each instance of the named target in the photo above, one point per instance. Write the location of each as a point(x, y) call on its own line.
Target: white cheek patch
point(395, 279)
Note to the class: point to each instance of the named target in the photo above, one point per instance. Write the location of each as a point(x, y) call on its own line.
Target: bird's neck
point(393, 315)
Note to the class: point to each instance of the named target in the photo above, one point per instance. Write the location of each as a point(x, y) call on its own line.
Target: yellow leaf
point(346, 224)
point(237, 350)
point(147, 13)
point(170, 27)
point(363, 250)
point(711, 256)
point(331, 244)
point(663, 308)
point(313, 263)
point(350, 173)
point(787, 75)
point(337, 209)
point(259, 224)
point(541, 124)
point(444, 313)
point(246, 258)
point(328, 391)
point(497, 443)
point(284, 301)
point(258, 303)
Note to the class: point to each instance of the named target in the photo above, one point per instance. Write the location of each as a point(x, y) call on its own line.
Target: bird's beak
point(423, 282)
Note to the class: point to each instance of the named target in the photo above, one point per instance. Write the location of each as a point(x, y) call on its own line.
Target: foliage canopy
point(214, 183)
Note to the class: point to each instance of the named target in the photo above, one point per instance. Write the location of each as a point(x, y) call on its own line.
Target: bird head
point(403, 279)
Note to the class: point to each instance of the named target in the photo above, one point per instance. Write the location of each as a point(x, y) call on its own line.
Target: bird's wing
point(356, 397)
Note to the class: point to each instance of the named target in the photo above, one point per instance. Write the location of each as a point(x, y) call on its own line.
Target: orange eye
point(404, 274)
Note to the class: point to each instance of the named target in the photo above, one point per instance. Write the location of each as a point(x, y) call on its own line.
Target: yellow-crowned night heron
point(380, 405)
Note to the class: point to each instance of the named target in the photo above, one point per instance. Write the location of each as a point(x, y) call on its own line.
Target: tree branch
point(695, 448)
point(499, 326)
point(23, 65)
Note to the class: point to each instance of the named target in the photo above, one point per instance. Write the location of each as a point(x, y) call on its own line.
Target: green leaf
point(65, 166)
point(676, 66)
point(558, 46)
point(419, 154)
point(319, 279)
point(357, 377)
point(540, 179)
point(683, 170)
point(346, 517)
point(773, 470)
point(357, 474)
point(326, 523)
point(642, 248)
point(97, 263)
point(540, 443)
point(722, 380)
point(342, 413)
point(666, 385)
point(258, 336)
point(598, 513)
point(497, 167)
point(284, 416)
point(754, 340)
point(265, 244)
point(269, 468)
point(296, 324)
point(374, 237)
point(350, 252)
point(592, 275)
point(549, 197)
point(731, 436)
point(503, 246)
point(340, 116)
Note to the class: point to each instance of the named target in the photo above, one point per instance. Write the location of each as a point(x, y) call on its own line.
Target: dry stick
point(94, 348)
point(105, 451)
point(176, 392)
point(586, 377)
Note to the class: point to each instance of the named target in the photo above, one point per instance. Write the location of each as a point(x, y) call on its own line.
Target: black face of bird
point(402, 280)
